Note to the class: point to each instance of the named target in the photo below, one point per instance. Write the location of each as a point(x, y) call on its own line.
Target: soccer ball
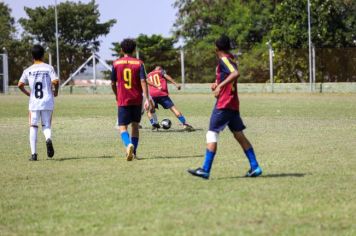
point(166, 124)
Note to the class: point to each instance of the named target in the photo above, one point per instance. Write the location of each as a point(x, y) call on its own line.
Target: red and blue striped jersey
point(127, 73)
point(157, 78)
point(227, 98)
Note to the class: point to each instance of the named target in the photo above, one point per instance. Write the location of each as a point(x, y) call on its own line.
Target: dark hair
point(37, 52)
point(128, 45)
point(223, 43)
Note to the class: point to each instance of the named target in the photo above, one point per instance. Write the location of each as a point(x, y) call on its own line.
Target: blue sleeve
point(226, 66)
point(113, 75)
point(143, 74)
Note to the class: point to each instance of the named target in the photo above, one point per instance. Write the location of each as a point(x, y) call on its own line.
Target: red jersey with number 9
point(128, 72)
point(157, 78)
point(227, 98)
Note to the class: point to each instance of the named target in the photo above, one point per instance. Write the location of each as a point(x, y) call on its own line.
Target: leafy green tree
point(7, 27)
point(79, 30)
point(333, 26)
point(199, 23)
point(18, 50)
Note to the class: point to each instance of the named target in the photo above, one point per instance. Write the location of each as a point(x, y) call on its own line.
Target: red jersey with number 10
point(227, 98)
point(127, 73)
point(157, 78)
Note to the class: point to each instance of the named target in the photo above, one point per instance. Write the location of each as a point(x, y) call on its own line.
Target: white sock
point(33, 139)
point(47, 132)
point(154, 117)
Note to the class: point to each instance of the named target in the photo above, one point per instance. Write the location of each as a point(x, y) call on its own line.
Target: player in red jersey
point(158, 89)
point(128, 82)
point(226, 112)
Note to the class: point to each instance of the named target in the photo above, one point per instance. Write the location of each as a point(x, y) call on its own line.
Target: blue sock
point(181, 119)
point(250, 154)
point(134, 141)
point(152, 121)
point(209, 158)
point(125, 137)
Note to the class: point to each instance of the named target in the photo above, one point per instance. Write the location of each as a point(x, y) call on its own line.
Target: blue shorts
point(165, 102)
point(222, 117)
point(128, 114)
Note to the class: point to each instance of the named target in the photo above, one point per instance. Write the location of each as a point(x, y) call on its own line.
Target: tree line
point(250, 25)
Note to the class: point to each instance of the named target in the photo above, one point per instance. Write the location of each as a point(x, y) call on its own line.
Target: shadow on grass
point(81, 158)
point(278, 175)
point(171, 157)
point(172, 130)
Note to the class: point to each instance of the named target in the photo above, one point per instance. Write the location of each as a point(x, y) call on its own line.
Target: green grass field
point(305, 143)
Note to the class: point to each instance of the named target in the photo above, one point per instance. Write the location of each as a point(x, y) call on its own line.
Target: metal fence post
point(182, 66)
point(313, 66)
point(5, 71)
point(271, 54)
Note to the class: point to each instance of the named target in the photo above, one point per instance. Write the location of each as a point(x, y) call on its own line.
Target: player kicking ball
point(128, 81)
point(226, 112)
point(41, 78)
point(158, 89)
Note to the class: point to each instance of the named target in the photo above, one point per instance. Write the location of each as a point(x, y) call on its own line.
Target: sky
point(133, 18)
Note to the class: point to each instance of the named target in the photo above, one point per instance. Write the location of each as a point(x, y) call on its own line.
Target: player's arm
point(144, 86)
point(55, 84)
point(113, 82)
point(21, 84)
point(233, 74)
point(170, 79)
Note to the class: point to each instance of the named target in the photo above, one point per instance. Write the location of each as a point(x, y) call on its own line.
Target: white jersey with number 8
point(40, 77)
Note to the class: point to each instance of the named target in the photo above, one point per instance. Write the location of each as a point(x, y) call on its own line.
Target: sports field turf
point(306, 145)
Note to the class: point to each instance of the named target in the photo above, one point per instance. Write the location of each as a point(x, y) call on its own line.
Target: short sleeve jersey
point(157, 78)
point(227, 98)
point(127, 73)
point(39, 77)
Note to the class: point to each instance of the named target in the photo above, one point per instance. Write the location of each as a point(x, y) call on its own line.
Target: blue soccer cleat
point(199, 172)
point(254, 173)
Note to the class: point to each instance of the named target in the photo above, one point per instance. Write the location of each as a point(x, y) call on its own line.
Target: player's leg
point(124, 117)
point(46, 119)
point(135, 135)
point(152, 116)
point(33, 121)
point(168, 104)
point(255, 169)
point(236, 126)
point(218, 122)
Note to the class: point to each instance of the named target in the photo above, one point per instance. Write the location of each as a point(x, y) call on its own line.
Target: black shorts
point(220, 118)
point(164, 101)
point(128, 114)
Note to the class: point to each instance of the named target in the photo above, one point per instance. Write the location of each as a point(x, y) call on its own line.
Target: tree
point(333, 26)
point(79, 30)
point(18, 50)
point(247, 23)
point(7, 28)
point(250, 24)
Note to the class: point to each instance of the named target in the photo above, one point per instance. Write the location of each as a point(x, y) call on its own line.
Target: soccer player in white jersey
point(41, 79)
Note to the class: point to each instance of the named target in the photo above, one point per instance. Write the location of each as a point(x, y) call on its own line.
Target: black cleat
point(188, 127)
point(33, 157)
point(156, 126)
point(199, 172)
point(50, 150)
